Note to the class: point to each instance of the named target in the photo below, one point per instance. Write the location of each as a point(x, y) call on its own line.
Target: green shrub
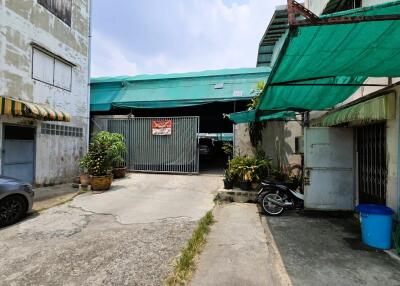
point(243, 168)
point(105, 151)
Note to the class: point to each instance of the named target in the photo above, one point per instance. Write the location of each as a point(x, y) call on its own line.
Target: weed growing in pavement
point(185, 263)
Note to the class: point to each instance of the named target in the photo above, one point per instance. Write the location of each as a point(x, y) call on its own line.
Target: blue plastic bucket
point(376, 225)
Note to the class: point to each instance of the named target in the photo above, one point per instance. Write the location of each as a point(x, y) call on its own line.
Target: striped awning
point(14, 107)
point(376, 109)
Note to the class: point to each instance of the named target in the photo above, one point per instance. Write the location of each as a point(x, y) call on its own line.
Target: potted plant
point(119, 171)
point(245, 182)
point(248, 172)
point(228, 179)
point(84, 179)
point(99, 160)
point(118, 150)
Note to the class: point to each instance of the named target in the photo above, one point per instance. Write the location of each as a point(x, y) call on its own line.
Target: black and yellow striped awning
point(16, 107)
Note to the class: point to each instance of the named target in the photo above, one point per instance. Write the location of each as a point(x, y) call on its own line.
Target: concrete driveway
point(127, 236)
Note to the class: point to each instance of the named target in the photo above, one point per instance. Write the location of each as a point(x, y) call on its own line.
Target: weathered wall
point(24, 22)
point(279, 141)
point(242, 144)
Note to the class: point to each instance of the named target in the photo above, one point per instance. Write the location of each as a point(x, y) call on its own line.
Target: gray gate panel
point(18, 159)
point(175, 153)
point(120, 126)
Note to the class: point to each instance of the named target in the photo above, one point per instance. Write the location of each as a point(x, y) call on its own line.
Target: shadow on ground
point(327, 250)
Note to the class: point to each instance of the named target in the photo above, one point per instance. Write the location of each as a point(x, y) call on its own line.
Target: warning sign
point(161, 127)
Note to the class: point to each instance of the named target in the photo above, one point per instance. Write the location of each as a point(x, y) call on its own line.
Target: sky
point(131, 37)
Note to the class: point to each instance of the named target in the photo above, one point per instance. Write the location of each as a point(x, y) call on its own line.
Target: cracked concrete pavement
point(127, 236)
point(238, 251)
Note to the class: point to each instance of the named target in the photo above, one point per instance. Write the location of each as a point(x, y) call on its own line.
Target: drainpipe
point(89, 70)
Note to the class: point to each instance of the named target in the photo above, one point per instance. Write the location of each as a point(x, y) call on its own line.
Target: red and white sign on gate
point(161, 127)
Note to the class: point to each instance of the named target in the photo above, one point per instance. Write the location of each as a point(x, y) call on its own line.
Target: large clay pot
point(119, 172)
point(100, 183)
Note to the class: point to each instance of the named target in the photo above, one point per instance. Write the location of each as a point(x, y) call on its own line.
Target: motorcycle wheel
point(270, 208)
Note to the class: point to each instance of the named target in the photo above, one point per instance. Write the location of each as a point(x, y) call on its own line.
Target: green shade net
point(175, 90)
point(343, 53)
point(250, 116)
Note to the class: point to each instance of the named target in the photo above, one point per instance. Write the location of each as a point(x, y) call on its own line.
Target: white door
point(329, 168)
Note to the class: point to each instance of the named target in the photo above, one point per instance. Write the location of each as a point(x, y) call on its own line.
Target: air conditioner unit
point(299, 145)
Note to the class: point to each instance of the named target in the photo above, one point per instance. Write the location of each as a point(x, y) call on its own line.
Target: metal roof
point(279, 25)
point(200, 74)
point(175, 90)
point(276, 28)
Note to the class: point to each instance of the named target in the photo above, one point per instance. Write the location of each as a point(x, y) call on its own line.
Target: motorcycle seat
point(271, 182)
point(275, 183)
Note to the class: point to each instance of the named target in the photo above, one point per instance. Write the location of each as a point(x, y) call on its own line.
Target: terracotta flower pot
point(84, 179)
point(119, 172)
point(100, 183)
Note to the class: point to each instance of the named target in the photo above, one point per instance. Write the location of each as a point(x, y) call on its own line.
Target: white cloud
point(108, 58)
point(181, 36)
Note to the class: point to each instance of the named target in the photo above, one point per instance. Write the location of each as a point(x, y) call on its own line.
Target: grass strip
point(185, 263)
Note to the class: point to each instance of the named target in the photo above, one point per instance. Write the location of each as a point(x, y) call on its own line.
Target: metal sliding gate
point(172, 148)
point(372, 171)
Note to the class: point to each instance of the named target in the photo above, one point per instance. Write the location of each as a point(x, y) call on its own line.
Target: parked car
point(16, 200)
point(205, 146)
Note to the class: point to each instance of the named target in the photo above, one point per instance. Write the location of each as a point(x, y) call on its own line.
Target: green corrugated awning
point(376, 109)
point(250, 116)
point(320, 66)
point(242, 116)
point(175, 90)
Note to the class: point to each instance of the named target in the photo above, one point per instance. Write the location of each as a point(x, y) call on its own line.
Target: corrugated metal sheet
point(175, 90)
point(175, 153)
point(377, 109)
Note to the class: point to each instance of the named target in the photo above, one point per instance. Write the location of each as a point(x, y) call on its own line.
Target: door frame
point(357, 139)
point(308, 170)
point(34, 145)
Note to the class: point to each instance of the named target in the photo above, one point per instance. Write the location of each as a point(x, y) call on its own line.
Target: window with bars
point(61, 130)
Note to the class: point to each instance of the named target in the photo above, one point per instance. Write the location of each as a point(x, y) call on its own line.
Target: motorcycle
point(276, 197)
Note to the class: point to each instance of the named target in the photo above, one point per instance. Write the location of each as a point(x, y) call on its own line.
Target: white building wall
point(279, 142)
point(392, 131)
point(366, 3)
point(22, 23)
point(316, 6)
